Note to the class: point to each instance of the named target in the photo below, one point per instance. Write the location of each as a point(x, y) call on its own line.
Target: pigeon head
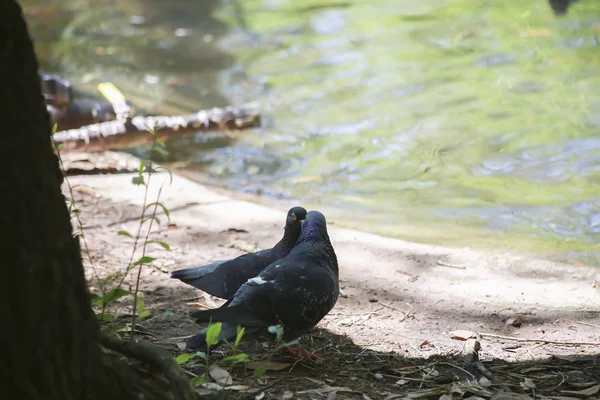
point(315, 224)
point(296, 215)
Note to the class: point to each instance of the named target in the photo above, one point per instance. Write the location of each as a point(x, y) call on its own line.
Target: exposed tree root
point(144, 352)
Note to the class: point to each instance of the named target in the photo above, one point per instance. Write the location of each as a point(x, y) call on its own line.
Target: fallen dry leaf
point(212, 386)
point(220, 375)
point(269, 365)
point(238, 387)
point(485, 382)
point(514, 321)
point(585, 392)
point(198, 305)
point(463, 334)
point(528, 384)
point(181, 346)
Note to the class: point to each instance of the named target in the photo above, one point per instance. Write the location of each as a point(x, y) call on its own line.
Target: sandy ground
point(401, 297)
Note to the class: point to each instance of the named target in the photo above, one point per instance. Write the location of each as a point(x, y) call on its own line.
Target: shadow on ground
point(351, 370)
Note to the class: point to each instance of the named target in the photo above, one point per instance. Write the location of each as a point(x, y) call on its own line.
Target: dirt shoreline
point(400, 297)
point(444, 289)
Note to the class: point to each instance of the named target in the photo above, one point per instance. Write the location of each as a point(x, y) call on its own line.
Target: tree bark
point(49, 337)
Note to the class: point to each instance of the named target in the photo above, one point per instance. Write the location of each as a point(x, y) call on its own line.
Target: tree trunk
point(50, 339)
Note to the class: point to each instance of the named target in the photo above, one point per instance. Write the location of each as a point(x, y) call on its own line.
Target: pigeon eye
point(293, 217)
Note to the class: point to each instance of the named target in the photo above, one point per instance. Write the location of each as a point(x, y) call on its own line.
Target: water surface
point(463, 123)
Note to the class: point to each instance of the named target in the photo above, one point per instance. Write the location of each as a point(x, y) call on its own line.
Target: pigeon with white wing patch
point(295, 292)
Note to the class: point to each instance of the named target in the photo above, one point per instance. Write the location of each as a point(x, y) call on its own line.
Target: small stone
point(514, 322)
point(373, 299)
point(378, 376)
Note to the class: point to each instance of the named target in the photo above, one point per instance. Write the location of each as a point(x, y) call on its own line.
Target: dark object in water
point(560, 7)
point(69, 112)
point(86, 124)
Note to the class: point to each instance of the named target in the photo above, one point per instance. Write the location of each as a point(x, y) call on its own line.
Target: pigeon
point(223, 278)
point(293, 293)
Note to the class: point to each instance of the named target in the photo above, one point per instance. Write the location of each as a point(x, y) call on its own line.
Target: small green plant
point(111, 286)
point(141, 239)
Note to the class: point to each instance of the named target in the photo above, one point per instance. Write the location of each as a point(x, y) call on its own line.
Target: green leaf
point(161, 151)
point(96, 299)
point(160, 142)
point(201, 354)
point(139, 304)
point(241, 357)
point(125, 233)
point(198, 380)
point(161, 205)
point(150, 129)
point(260, 371)
point(168, 314)
point(212, 334)
point(144, 314)
point(142, 167)
point(143, 260)
point(164, 245)
point(138, 180)
point(60, 147)
point(105, 317)
point(113, 295)
point(185, 357)
point(154, 217)
point(240, 334)
point(54, 128)
point(166, 170)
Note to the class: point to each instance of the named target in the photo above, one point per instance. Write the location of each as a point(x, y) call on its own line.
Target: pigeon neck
point(290, 237)
point(316, 235)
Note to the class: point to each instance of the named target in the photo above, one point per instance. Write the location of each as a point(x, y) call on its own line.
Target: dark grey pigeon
point(223, 278)
point(295, 292)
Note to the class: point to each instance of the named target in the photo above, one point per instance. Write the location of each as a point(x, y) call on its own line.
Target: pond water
point(462, 123)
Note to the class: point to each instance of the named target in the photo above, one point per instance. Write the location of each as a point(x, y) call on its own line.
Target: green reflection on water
point(449, 122)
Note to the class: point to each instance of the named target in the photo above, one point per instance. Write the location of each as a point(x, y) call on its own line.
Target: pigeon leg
point(301, 353)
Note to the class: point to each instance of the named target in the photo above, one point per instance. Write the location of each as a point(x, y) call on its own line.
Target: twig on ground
point(584, 323)
point(192, 298)
point(445, 264)
point(406, 313)
point(459, 368)
point(516, 339)
point(179, 338)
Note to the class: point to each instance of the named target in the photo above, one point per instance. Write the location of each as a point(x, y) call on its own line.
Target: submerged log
point(120, 134)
